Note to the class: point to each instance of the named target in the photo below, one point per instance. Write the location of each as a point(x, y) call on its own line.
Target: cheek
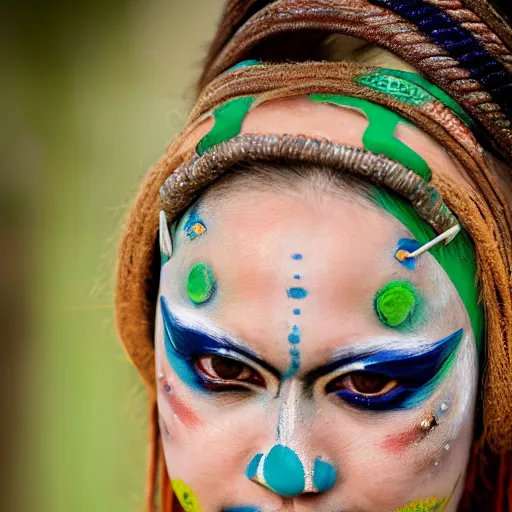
point(400, 454)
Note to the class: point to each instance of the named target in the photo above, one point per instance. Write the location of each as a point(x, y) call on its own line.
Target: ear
point(165, 239)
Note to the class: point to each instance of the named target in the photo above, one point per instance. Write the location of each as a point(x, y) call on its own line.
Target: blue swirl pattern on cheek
point(418, 371)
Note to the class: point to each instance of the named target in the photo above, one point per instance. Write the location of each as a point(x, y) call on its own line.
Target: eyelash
point(204, 366)
point(248, 378)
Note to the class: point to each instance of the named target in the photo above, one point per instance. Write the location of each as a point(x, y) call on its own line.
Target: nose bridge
point(289, 468)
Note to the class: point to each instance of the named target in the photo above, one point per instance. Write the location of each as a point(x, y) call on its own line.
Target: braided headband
point(463, 46)
point(190, 178)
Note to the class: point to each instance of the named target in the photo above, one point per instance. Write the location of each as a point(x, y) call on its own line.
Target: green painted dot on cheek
point(200, 283)
point(395, 303)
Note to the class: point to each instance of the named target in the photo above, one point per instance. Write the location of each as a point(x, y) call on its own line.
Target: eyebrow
point(415, 363)
point(190, 342)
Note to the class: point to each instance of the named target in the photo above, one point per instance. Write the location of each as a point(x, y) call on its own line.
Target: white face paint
point(281, 386)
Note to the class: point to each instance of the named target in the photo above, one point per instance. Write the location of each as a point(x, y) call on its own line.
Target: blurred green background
point(92, 92)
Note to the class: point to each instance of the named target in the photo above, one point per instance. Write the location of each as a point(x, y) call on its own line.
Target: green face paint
point(200, 284)
point(457, 258)
point(185, 496)
point(396, 303)
point(424, 505)
point(379, 136)
point(228, 122)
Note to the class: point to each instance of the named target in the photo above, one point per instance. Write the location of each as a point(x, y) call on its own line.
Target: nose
point(285, 473)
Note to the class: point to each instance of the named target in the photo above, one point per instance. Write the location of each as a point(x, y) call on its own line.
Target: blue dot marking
point(296, 311)
point(297, 293)
point(324, 476)
point(294, 336)
point(296, 256)
point(252, 467)
point(283, 471)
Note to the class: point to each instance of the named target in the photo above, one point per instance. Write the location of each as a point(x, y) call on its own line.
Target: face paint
point(201, 284)
point(406, 245)
point(194, 226)
point(241, 509)
point(396, 303)
point(188, 417)
point(324, 475)
point(352, 451)
point(398, 443)
point(185, 496)
point(283, 471)
point(185, 345)
point(415, 373)
point(424, 505)
point(297, 293)
point(252, 467)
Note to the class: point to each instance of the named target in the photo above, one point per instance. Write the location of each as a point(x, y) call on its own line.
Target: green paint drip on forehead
point(457, 258)
point(228, 122)
point(200, 283)
point(379, 136)
point(395, 303)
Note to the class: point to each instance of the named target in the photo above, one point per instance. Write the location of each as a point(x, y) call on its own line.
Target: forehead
point(346, 246)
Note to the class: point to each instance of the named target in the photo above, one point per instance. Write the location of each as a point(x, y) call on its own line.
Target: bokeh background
point(91, 93)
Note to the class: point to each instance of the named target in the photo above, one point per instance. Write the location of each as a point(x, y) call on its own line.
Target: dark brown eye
point(221, 368)
point(363, 383)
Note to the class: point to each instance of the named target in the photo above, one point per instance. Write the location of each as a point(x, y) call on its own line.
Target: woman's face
point(301, 367)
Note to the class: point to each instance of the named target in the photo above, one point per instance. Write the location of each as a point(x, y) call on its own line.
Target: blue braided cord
point(460, 44)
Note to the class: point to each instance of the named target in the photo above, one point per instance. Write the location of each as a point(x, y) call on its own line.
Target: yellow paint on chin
point(185, 496)
point(425, 505)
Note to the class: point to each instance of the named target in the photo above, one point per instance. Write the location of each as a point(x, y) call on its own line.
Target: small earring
point(428, 424)
point(165, 239)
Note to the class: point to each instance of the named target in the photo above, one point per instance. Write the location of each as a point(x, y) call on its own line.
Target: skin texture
point(383, 460)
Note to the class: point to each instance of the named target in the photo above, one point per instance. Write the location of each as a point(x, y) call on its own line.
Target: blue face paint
point(294, 336)
point(194, 226)
point(241, 509)
point(297, 293)
point(406, 244)
point(283, 471)
point(252, 467)
point(324, 475)
point(184, 345)
point(294, 363)
point(417, 370)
